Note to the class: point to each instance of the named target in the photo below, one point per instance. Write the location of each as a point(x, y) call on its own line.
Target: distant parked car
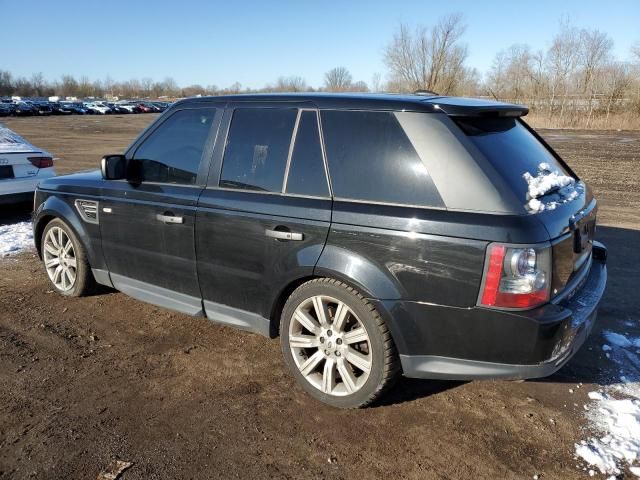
point(23, 109)
point(22, 166)
point(131, 108)
point(148, 107)
point(76, 108)
point(60, 109)
point(117, 108)
point(162, 106)
point(97, 108)
point(41, 108)
point(7, 109)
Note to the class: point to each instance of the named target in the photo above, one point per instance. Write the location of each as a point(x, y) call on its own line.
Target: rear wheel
point(65, 260)
point(337, 345)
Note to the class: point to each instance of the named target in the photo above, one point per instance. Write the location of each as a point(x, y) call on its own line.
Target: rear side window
point(257, 148)
point(510, 147)
point(306, 170)
point(371, 158)
point(172, 153)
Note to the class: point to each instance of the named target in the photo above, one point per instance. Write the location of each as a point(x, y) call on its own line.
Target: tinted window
point(172, 153)
point(371, 158)
point(306, 171)
point(257, 148)
point(510, 148)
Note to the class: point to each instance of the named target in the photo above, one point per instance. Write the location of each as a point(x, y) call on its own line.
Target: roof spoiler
point(471, 107)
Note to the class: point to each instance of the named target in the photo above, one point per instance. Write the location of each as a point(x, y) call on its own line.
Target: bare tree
point(635, 52)
point(68, 86)
point(429, 59)
point(376, 82)
point(290, 84)
point(511, 74)
point(337, 79)
point(617, 80)
point(193, 90)
point(562, 60)
point(359, 86)
point(595, 50)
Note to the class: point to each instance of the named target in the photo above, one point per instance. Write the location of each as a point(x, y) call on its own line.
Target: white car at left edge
point(22, 166)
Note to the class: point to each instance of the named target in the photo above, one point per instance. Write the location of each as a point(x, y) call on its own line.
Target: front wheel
point(65, 260)
point(337, 345)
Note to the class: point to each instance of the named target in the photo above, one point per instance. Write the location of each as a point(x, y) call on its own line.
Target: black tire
point(385, 363)
point(84, 281)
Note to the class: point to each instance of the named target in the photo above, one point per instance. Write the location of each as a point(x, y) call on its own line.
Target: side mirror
point(113, 167)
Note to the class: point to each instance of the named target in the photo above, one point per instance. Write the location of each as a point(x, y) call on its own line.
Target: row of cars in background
point(96, 107)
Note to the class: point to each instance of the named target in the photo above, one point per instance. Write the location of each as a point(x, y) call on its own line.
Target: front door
point(148, 220)
point(264, 217)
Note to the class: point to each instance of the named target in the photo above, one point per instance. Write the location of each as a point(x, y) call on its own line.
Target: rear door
point(263, 218)
point(147, 221)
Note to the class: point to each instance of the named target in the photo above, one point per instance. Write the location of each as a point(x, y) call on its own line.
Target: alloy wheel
point(330, 346)
point(60, 259)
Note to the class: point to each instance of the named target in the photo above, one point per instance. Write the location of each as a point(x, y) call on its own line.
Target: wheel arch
point(285, 293)
point(56, 208)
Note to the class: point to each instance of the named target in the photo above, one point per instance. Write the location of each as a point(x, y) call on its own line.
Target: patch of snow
point(614, 413)
point(546, 182)
point(15, 237)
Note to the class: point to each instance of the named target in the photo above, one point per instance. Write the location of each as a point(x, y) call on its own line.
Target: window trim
point(294, 134)
point(207, 149)
point(362, 201)
point(322, 153)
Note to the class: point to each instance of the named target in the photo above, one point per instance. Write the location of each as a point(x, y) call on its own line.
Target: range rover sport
point(377, 235)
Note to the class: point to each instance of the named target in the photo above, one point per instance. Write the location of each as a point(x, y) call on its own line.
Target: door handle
point(169, 219)
point(284, 235)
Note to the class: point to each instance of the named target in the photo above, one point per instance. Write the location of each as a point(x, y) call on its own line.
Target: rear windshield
point(510, 147)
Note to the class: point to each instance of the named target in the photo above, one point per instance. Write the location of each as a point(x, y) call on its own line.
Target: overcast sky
point(219, 43)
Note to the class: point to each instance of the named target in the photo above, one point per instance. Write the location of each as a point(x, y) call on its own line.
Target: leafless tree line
point(576, 81)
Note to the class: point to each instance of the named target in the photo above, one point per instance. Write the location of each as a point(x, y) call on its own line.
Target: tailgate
point(572, 251)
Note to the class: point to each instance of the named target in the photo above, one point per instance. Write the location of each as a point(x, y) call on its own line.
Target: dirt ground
point(85, 381)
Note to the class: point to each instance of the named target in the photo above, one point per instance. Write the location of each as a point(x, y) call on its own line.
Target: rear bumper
point(24, 185)
point(22, 197)
point(465, 344)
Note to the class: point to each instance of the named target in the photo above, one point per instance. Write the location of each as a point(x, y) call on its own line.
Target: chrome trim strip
point(292, 142)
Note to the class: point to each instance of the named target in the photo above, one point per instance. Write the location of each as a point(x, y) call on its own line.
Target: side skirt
point(180, 302)
point(162, 297)
point(237, 318)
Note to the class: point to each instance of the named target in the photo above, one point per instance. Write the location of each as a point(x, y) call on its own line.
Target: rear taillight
point(41, 162)
point(516, 276)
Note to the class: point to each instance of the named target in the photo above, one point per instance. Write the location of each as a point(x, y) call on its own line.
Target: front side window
point(173, 152)
point(257, 148)
point(370, 158)
point(306, 170)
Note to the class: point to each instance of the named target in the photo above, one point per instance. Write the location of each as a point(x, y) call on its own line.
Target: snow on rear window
point(549, 188)
point(513, 151)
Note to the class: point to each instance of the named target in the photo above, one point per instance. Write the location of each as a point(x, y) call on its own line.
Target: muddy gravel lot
point(86, 381)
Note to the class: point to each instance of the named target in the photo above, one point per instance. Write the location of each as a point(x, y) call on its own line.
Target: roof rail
point(424, 92)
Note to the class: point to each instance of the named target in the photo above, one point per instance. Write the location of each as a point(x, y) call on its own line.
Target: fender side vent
point(88, 210)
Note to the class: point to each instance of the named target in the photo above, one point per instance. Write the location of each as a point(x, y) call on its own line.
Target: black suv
point(436, 237)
